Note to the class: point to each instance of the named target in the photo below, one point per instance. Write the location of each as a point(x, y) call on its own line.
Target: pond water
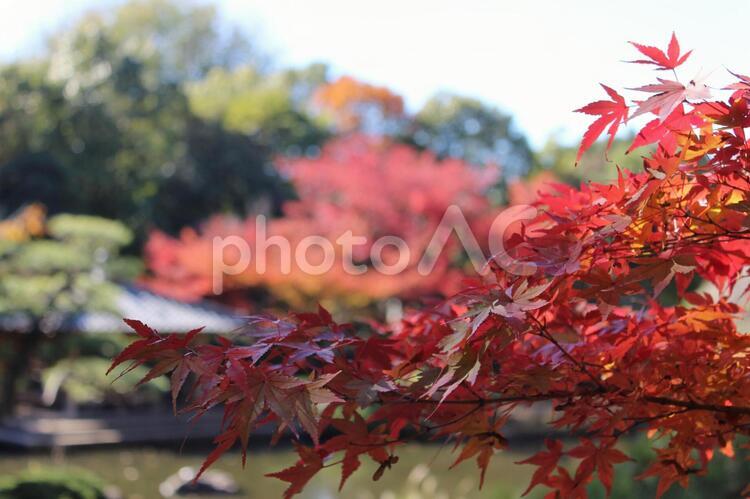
point(422, 472)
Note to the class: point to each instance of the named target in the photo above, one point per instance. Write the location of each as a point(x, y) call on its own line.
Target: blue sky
point(538, 60)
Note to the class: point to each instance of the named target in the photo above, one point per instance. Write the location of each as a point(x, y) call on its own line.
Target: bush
point(83, 381)
point(48, 483)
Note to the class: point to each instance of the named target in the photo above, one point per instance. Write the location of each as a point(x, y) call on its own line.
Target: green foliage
point(725, 478)
point(270, 108)
point(466, 128)
point(82, 345)
point(82, 230)
point(52, 483)
point(84, 381)
point(179, 41)
point(101, 124)
point(71, 270)
point(561, 160)
point(106, 130)
point(48, 256)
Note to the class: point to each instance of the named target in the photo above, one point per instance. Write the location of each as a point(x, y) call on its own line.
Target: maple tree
point(577, 323)
point(353, 104)
point(367, 185)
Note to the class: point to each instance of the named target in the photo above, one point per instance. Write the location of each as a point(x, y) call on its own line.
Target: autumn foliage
point(580, 324)
point(349, 101)
point(368, 186)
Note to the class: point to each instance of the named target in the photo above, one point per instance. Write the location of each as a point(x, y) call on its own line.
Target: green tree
point(466, 128)
point(177, 41)
point(270, 108)
point(561, 160)
point(73, 267)
point(101, 123)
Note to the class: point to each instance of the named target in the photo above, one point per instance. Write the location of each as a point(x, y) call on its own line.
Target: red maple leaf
point(599, 458)
point(667, 96)
point(740, 87)
point(310, 462)
point(612, 113)
point(546, 462)
point(657, 57)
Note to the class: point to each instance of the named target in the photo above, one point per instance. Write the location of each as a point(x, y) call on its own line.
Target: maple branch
point(544, 333)
point(698, 406)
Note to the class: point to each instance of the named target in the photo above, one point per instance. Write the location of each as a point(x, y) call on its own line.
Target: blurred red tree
point(361, 185)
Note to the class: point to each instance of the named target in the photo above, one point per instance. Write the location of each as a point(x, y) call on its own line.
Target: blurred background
point(134, 132)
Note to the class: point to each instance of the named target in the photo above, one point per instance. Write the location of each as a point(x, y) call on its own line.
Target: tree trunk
point(26, 344)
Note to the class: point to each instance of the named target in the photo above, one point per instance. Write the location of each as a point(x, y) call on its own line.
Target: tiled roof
point(161, 313)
